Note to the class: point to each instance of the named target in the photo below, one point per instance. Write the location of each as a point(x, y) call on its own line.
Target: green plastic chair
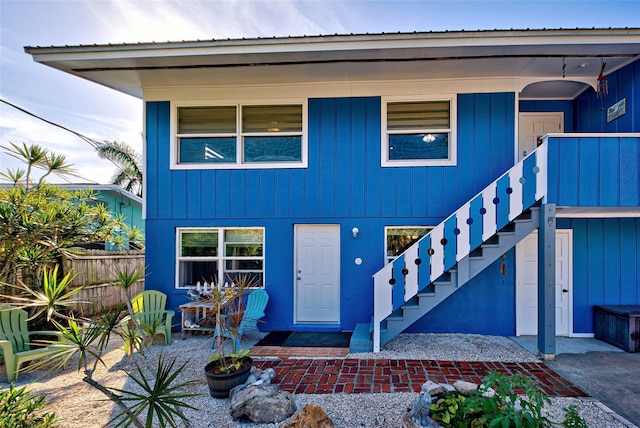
point(15, 341)
point(148, 307)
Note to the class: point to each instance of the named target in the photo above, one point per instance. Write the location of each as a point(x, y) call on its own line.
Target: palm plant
point(129, 174)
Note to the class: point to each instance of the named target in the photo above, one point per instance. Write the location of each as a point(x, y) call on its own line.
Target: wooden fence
point(95, 269)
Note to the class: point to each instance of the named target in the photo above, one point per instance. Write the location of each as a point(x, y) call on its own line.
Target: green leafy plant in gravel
point(502, 401)
point(19, 409)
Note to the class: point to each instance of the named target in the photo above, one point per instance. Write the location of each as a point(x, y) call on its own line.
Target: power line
point(93, 143)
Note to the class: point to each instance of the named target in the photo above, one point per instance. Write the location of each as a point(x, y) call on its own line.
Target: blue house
point(464, 181)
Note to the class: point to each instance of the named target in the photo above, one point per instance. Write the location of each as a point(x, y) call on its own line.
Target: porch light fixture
point(355, 232)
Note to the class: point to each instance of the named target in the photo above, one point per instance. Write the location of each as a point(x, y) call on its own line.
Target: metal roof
point(131, 67)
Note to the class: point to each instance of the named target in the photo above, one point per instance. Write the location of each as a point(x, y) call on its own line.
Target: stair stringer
point(466, 269)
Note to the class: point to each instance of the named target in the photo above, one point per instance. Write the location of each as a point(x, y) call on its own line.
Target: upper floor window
point(241, 136)
point(418, 132)
point(399, 238)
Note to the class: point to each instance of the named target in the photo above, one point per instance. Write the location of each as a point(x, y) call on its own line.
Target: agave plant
point(52, 295)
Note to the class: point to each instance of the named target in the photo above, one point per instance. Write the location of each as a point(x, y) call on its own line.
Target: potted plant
point(228, 368)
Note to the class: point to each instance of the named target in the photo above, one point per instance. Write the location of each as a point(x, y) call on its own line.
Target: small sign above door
point(617, 110)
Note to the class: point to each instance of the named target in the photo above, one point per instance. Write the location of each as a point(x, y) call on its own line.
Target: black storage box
point(619, 326)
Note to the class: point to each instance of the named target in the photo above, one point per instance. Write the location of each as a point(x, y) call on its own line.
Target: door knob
point(564, 290)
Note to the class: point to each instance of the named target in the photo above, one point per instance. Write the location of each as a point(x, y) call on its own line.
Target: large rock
point(310, 416)
point(262, 404)
point(465, 388)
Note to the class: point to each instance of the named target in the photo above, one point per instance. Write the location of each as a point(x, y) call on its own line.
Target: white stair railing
point(463, 231)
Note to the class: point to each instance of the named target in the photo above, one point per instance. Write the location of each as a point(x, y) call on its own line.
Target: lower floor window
point(219, 255)
point(399, 238)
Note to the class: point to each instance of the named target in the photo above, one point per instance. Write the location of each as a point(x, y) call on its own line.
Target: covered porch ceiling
point(548, 63)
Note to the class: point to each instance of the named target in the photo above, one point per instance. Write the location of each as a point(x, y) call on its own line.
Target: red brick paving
point(328, 376)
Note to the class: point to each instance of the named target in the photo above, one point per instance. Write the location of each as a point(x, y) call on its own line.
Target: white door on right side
point(527, 284)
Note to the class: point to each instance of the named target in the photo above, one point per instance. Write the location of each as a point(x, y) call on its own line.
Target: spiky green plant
point(20, 409)
point(160, 399)
point(50, 297)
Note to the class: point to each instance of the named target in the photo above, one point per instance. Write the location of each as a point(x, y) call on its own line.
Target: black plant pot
point(221, 384)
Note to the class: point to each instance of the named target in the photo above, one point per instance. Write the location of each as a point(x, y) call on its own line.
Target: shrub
point(19, 409)
point(502, 401)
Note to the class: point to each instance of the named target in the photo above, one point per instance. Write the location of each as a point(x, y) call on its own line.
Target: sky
point(105, 114)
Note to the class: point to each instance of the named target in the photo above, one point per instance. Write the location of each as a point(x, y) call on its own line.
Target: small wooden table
point(194, 312)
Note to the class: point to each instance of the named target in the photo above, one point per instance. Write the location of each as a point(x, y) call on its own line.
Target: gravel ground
point(81, 406)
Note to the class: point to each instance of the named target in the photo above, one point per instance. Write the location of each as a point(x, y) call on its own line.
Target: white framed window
point(398, 238)
point(419, 132)
point(240, 136)
point(208, 254)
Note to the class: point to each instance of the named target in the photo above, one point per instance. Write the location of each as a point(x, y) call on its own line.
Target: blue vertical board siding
point(629, 256)
point(483, 138)
point(629, 172)
point(551, 106)
point(193, 192)
point(357, 166)
point(485, 305)
point(404, 203)
point(594, 171)
point(606, 266)
point(419, 193)
point(502, 132)
point(328, 154)
point(609, 169)
point(612, 261)
point(467, 135)
point(343, 184)
point(451, 247)
point(568, 173)
point(581, 305)
point(591, 111)
point(502, 199)
point(475, 235)
point(529, 186)
point(267, 193)
point(343, 159)
point(151, 159)
point(297, 192)
point(397, 293)
point(282, 200)
point(424, 269)
point(588, 167)
point(373, 181)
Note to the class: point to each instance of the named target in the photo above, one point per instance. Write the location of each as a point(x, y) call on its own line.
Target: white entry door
point(527, 284)
point(532, 126)
point(317, 274)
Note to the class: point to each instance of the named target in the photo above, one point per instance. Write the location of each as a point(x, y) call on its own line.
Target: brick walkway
point(328, 376)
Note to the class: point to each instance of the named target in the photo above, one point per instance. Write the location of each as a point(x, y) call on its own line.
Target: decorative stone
point(447, 388)
point(310, 416)
point(262, 404)
point(432, 388)
point(465, 388)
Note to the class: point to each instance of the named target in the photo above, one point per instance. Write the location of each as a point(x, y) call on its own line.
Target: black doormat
point(274, 338)
point(311, 339)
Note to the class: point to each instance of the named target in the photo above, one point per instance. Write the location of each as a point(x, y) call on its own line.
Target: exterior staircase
point(455, 251)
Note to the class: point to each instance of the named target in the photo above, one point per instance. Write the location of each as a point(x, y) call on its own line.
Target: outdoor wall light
point(355, 232)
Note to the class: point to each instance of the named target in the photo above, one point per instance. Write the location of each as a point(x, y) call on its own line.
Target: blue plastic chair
point(253, 312)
